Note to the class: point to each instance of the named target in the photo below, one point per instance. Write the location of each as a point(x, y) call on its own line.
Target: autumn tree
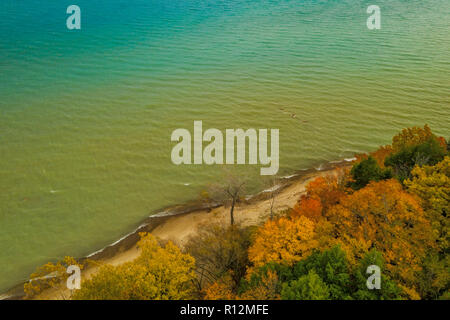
point(159, 273)
point(384, 217)
point(321, 194)
point(309, 207)
point(220, 251)
point(434, 278)
point(432, 185)
point(405, 145)
point(429, 152)
point(322, 275)
point(329, 189)
point(263, 286)
point(220, 289)
point(50, 275)
point(379, 155)
point(411, 136)
point(266, 288)
point(283, 240)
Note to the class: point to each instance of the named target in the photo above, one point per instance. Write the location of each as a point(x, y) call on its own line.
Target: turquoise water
point(86, 116)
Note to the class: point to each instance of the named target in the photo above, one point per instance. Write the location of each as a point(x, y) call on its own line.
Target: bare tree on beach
point(229, 191)
point(274, 191)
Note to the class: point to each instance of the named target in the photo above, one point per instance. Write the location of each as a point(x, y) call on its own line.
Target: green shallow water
point(86, 116)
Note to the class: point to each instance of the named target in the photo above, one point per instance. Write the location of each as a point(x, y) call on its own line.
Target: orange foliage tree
point(379, 155)
point(221, 289)
point(384, 217)
point(310, 207)
point(321, 194)
point(329, 189)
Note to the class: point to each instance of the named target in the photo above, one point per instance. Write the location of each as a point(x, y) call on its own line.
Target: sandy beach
point(179, 227)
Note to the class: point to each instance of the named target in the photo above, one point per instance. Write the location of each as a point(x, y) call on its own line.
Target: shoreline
point(155, 220)
point(124, 249)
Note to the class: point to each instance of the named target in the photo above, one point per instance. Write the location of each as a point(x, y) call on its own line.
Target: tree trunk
point(232, 211)
point(271, 208)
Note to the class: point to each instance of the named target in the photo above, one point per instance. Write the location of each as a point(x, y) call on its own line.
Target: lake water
point(86, 116)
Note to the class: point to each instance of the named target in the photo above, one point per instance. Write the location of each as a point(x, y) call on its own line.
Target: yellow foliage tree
point(410, 137)
point(222, 289)
point(159, 273)
point(265, 290)
point(406, 138)
point(284, 241)
point(432, 185)
point(50, 275)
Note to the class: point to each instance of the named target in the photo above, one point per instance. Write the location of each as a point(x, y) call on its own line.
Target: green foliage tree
point(326, 275)
point(332, 267)
point(256, 278)
point(388, 290)
point(434, 278)
point(429, 152)
point(307, 287)
point(368, 170)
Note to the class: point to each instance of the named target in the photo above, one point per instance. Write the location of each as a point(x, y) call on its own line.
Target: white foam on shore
point(320, 167)
point(291, 176)
point(159, 214)
point(116, 242)
point(272, 189)
point(163, 214)
point(5, 296)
